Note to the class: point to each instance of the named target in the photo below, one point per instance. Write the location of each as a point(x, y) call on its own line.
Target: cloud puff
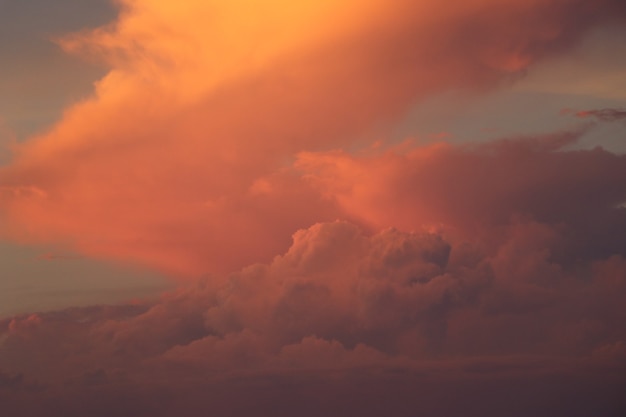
point(393, 309)
point(399, 293)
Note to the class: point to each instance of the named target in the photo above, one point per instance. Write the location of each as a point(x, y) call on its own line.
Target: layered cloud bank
point(244, 142)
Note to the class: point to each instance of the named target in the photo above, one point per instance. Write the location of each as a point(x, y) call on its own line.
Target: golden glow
point(183, 157)
point(196, 45)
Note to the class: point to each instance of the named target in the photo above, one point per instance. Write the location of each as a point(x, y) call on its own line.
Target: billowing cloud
point(179, 160)
point(512, 279)
point(393, 309)
point(340, 277)
point(530, 299)
point(470, 189)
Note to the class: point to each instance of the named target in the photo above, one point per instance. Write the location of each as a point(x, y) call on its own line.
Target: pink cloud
point(340, 306)
point(382, 282)
point(170, 162)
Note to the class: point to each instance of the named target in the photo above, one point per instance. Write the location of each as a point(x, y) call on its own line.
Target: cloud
point(178, 160)
point(472, 189)
point(501, 271)
point(11, 382)
point(394, 294)
point(392, 309)
point(406, 275)
point(400, 293)
point(603, 115)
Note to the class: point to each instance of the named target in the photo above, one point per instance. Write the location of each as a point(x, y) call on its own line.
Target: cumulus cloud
point(390, 309)
point(532, 296)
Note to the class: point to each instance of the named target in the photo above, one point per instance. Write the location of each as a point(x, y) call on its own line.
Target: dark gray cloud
point(603, 115)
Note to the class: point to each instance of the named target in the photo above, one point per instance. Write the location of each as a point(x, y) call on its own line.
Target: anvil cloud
point(181, 160)
point(242, 148)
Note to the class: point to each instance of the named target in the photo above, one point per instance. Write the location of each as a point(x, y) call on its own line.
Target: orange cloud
point(181, 159)
point(378, 282)
point(469, 188)
point(604, 115)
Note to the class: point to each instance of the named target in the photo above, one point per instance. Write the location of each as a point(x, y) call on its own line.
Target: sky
point(329, 207)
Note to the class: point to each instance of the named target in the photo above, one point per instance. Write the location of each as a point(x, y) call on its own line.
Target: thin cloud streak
point(603, 115)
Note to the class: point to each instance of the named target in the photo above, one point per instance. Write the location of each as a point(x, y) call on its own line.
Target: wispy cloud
point(603, 115)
